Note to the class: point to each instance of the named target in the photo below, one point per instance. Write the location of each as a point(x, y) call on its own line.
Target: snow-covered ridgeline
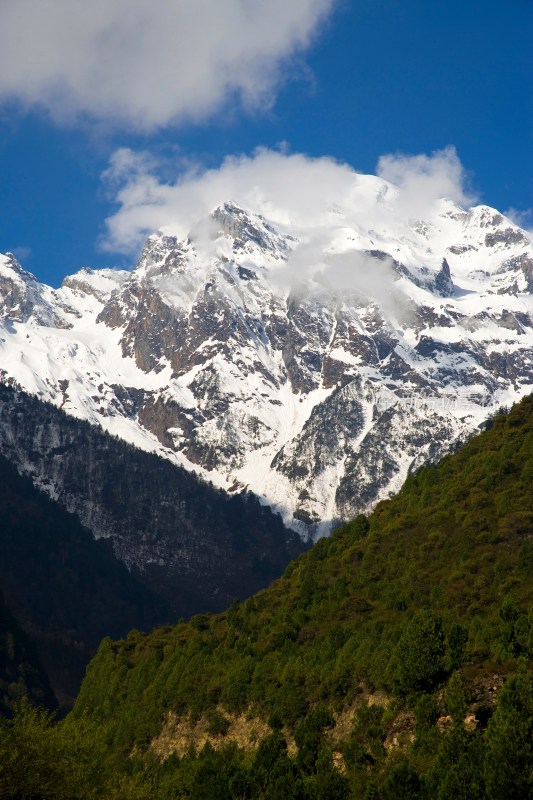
point(315, 366)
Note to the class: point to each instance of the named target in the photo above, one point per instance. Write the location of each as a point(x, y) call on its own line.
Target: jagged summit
point(314, 364)
point(249, 230)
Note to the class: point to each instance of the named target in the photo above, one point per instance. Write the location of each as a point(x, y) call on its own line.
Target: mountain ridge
point(285, 359)
point(190, 544)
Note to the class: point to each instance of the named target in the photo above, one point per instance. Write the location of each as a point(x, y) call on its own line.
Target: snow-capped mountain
point(315, 366)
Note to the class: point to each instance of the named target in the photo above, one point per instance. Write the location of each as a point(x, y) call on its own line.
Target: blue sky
point(193, 83)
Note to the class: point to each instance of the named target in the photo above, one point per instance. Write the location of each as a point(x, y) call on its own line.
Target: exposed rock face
point(443, 281)
point(24, 299)
point(315, 369)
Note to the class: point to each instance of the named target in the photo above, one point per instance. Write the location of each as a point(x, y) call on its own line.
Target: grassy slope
point(453, 551)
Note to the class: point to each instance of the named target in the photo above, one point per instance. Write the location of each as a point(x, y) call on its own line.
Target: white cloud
point(353, 272)
point(524, 219)
point(148, 63)
point(422, 179)
point(285, 188)
point(21, 253)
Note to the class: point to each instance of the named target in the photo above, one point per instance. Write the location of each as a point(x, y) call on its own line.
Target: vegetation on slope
point(425, 607)
point(439, 576)
point(21, 674)
point(65, 589)
point(193, 545)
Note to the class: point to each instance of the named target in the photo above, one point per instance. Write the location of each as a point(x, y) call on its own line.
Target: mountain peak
point(313, 365)
point(249, 230)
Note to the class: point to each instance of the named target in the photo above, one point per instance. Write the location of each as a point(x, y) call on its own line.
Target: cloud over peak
point(422, 178)
point(148, 64)
point(286, 188)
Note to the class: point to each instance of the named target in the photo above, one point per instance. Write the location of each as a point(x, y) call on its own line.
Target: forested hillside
point(193, 545)
point(21, 674)
point(65, 589)
point(391, 661)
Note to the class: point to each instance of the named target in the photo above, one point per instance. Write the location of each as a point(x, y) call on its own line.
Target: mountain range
point(153, 422)
point(314, 366)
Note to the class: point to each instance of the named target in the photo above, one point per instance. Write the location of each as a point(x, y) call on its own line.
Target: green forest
point(392, 660)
